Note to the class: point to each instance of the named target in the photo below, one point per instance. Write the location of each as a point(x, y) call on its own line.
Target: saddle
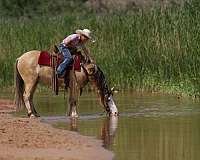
point(53, 60)
point(46, 59)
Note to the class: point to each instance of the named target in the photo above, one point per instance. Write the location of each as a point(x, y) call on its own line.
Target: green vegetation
point(38, 8)
point(154, 50)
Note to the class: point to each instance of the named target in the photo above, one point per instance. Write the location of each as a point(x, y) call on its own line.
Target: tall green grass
point(153, 50)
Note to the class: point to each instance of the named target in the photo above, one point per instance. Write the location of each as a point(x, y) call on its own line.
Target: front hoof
point(73, 114)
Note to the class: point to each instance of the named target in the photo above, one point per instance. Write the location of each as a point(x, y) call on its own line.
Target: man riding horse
point(71, 43)
point(29, 72)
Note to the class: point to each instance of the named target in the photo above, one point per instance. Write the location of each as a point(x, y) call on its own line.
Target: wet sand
point(29, 139)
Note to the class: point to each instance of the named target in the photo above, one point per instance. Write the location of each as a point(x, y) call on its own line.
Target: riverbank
point(24, 138)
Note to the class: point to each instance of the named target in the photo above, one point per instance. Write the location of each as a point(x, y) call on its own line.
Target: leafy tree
point(18, 8)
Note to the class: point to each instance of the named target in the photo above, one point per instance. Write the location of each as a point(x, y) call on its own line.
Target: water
point(150, 126)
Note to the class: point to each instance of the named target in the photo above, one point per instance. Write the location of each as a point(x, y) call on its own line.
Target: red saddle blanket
point(45, 60)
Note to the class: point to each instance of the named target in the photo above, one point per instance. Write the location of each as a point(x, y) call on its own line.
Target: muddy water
point(150, 127)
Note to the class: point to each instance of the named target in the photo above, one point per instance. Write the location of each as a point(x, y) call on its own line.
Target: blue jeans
point(67, 59)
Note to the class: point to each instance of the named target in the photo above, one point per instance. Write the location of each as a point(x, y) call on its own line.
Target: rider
point(73, 41)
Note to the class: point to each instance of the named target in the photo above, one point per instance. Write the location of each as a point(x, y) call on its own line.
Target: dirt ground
point(29, 139)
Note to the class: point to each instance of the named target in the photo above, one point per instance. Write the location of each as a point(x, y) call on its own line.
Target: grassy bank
point(154, 50)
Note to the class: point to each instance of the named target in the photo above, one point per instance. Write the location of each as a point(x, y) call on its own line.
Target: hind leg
point(28, 95)
point(31, 101)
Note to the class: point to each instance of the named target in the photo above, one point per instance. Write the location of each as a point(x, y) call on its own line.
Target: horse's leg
point(73, 101)
point(31, 100)
point(73, 96)
point(29, 88)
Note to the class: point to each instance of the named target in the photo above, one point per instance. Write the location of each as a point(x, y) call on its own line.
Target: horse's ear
point(114, 90)
point(56, 50)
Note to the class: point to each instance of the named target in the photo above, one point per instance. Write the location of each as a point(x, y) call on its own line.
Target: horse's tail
point(19, 89)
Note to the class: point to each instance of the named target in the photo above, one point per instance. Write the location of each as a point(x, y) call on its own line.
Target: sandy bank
point(29, 139)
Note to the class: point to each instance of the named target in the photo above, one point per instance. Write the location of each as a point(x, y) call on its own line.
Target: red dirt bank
point(29, 139)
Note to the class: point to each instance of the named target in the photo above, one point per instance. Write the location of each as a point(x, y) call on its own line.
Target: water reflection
point(145, 138)
point(107, 129)
point(164, 138)
point(74, 124)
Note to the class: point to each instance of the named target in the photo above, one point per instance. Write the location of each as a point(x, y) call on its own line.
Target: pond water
point(150, 126)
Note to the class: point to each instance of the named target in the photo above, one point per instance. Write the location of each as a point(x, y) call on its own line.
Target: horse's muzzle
point(113, 114)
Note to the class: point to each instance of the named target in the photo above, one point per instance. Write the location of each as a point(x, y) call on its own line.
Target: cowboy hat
point(85, 32)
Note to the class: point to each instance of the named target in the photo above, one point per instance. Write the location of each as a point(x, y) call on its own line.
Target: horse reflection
point(73, 124)
point(107, 131)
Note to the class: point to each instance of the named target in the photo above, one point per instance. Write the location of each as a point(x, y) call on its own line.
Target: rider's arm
point(67, 40)
point(70, 40)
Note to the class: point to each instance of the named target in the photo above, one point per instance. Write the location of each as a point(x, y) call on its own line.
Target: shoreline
point(25, 138)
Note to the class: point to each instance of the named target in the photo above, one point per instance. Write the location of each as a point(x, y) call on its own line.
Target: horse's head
point(97, 77)
point(109, 103)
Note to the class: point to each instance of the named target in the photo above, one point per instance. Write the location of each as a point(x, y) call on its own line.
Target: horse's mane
point(101, 85)
point(101, 82)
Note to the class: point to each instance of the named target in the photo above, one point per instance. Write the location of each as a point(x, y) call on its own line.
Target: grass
point(156, 50)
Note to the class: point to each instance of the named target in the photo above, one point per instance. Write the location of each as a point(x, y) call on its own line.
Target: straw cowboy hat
point(85, 32)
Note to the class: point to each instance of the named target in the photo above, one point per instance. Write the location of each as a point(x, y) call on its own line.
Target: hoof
point(73, 114)
point(31, 115)
point(37, 115)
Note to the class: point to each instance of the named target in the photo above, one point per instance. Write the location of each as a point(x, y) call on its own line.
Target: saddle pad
point(44, 58)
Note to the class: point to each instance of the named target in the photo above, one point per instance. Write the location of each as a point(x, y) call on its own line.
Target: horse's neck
point(101, 82)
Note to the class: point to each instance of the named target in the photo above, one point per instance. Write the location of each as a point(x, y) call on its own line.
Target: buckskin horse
point(28, 73)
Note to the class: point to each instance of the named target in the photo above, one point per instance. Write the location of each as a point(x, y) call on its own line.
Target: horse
point(28, 73)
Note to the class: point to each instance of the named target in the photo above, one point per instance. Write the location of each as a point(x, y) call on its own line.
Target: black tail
point(19, 89)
